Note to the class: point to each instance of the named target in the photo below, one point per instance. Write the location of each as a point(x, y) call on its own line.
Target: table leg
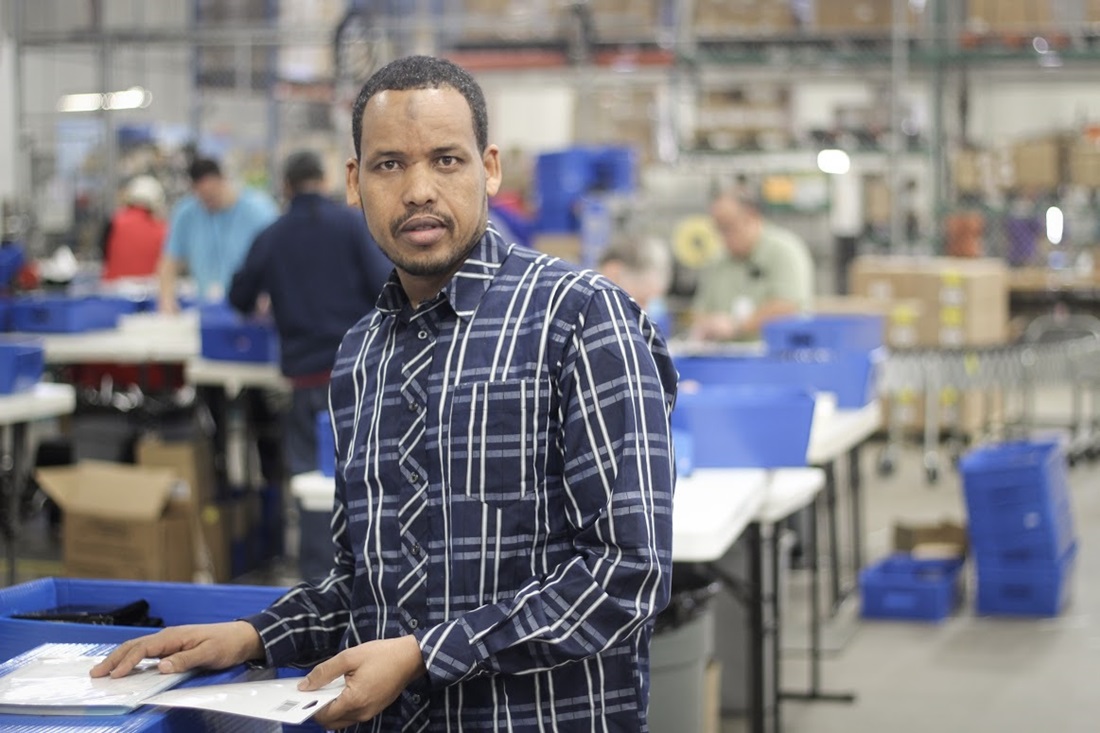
point(12, 447)
point(834, 534)
point(776, 625)
point(757, 631)
point(814, 693)
point(855, 483)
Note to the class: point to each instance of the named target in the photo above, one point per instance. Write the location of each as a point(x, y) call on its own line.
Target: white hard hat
point(145, 191)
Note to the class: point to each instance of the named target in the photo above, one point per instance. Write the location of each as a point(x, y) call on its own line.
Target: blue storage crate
point(562, 176)
point(616, 168)
point(904, 587)
point(683, 448)
point(227, 336)
point(21, 365)
point(11, 262)
point(1038, 591)
point(176, 603)
point(763, 426)
point(5, 314)
point(852, 376)
point(57, 314)
point(1018, 504)
point(326, 445)
point(837, 332)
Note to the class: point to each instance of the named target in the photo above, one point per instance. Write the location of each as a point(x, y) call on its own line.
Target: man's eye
point(388, 165)
point(447, 160)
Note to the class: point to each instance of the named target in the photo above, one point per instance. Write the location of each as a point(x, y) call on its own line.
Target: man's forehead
point(397, 110)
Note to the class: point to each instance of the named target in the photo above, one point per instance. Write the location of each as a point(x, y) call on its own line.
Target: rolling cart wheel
point(932, 474)
point(1072, 458)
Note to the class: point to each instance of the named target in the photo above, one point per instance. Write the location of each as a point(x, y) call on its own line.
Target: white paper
point(279, 700)
point(57, 681)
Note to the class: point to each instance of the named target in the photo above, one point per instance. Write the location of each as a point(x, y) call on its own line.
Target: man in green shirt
point(764, 273)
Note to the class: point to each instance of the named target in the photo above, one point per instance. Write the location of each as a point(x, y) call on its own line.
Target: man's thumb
point(320, 675)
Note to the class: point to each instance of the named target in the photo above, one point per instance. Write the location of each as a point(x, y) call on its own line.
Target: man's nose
point(419, 186)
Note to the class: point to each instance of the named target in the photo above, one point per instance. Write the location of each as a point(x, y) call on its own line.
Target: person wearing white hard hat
point(135, 235)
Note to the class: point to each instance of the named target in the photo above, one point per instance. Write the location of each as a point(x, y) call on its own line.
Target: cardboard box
point(967, 413)
point(884, 277)
point(712, 697)
point(965, 302)
point(191, 460)
point(1008, 16)
point(122, 522)
point(215, 552)
point(945, 539)
point(1038, 163)
point(875, 16)
point(724, 18)
point(972, 171)
point(901, 316)
point(1084, 163)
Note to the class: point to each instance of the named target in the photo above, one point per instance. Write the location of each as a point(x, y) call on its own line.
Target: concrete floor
point(969, 673)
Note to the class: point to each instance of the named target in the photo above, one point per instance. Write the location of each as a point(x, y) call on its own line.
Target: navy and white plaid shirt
point(504, 492)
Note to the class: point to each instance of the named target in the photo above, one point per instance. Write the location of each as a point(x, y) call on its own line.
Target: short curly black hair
point(422, 72)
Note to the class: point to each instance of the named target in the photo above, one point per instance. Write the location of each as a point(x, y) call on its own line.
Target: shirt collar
point(463, 291)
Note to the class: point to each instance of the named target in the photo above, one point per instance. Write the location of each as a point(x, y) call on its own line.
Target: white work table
point(711, 508)
point(141, 338)
point(234, 376)
point(45, 400)
point(838, 431)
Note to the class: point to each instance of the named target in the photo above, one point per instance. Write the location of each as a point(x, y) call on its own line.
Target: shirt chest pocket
point(498, 432)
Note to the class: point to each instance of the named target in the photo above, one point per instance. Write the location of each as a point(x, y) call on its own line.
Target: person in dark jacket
point(321, 272)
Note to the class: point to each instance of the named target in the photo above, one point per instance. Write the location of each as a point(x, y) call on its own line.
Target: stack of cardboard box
point(1009, 16)
point(158, 520)
point(948, 303)
point(861, 16)
point(731, 18)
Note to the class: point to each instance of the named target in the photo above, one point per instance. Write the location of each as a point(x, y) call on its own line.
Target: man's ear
point(351, 183)
point(491, 160)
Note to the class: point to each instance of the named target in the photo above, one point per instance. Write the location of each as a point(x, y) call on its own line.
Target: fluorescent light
point(80, 103)
point(1055, 225)
point(132, 98)
point(835, 162)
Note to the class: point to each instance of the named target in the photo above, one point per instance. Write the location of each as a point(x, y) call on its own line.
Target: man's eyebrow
point(375, 154)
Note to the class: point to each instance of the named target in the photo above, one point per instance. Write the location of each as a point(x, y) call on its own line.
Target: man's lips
point(423, 230)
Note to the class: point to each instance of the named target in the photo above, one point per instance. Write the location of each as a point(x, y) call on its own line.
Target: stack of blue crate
point(1020, 526)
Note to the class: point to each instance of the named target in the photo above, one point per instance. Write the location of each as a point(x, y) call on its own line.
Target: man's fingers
point(326, 672)
point(185, 660)
point(335, 715)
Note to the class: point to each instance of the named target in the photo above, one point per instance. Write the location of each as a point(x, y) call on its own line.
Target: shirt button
point(413, 478)
point(413, 407)
point(413, 623)
point(422, 335)
point(415, 699)
point(416, 550)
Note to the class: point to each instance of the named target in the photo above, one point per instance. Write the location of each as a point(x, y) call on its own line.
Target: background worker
point(765, 272)
point(134, 237)
point(643, 268)
point(210, 233)
point(321, 272)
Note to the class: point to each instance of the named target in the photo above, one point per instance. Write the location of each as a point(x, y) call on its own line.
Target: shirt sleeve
point(618, 387)
point(248, 281)
point(710, 296)
point(178, 232)
point(793, 275)
point(307, 625)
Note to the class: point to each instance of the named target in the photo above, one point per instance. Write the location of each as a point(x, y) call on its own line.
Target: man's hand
point(168, 305)
point(375, 673)
point(181, 648)
point(714, 327)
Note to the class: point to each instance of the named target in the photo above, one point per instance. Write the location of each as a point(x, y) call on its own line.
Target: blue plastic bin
point(176, 603)
point(326, 445)
point(1018, 504)
point(616, 168)
point(855, 332)
point(1039, 591)
point(763, 426)
point(21, 365)
point(227, 336)
point(904, 587)
point(56, 314)
point(562, 176)
point(5, 314)
point(683, 448)
point(11, 261)
point(852, 376)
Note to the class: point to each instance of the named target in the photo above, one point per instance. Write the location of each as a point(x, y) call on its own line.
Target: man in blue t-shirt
point(210, 233)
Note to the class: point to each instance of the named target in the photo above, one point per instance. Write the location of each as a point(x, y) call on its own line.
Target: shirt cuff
point(450, 655)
